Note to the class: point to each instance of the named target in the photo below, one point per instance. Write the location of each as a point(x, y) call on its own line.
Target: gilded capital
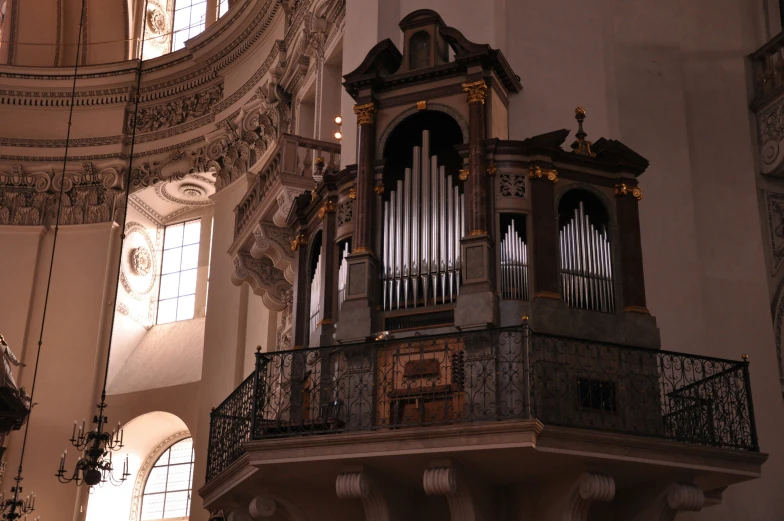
point(329, 207)
point(300, 240)
point(379, 189)
point(366, 114)
point(352, 194)
point(477, 91)
point(624, 189)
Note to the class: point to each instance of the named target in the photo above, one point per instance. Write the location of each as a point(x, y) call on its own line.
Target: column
point(477, 304)
point(545, 227)
point(323, 335)
point(356, 320)
point(630, 248)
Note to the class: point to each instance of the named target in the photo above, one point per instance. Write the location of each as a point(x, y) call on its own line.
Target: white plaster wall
point(260, 331)
point(169, 354)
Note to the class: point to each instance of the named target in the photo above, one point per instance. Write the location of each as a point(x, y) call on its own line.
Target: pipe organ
point(586, 266)
point(343, 274)
point(315, 295)
point(423, 223)
point(514, 264)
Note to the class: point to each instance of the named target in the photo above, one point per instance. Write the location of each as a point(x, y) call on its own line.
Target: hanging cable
point(14, 508)
point(93, 467)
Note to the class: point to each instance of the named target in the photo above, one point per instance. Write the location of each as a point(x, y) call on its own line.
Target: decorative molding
point(588, 488)
point(360, 485)
point(144, 470)
point(536, 172)
point(148, 262)
point(176, 112)
point(366, 114)
point(60, 143)
point(263, 277)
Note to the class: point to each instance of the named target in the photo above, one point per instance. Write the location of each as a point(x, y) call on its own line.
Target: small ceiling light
point(338, 135)
point(338, 120)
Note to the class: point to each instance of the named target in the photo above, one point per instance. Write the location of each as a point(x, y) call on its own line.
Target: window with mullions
point(167, 492)
point(189, 17)
point(177, 296)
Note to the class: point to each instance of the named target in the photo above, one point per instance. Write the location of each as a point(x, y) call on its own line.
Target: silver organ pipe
point(342, 275)
point(586, 269)
point(514, 264)
point(424, 221)
point(315, 296)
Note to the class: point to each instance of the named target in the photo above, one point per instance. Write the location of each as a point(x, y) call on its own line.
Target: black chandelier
point(13, 507)
point(95, 466)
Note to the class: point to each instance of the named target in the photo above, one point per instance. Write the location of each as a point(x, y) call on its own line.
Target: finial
point(258, 349)
point(525, 318)
point(581, 146)
point(745, 357)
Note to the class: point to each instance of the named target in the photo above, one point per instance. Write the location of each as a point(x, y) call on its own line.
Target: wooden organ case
point(444, 225)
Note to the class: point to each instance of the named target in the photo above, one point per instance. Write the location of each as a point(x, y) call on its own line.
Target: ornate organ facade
point(444, 224)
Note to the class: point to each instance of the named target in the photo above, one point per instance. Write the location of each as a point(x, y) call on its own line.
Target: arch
point(591, 190)
point(172, 463)
point(438, 107)
point(146, 437)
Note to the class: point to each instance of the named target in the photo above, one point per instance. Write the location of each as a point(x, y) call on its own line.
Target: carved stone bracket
point(275, 242)
point(588, 488)
point(360, 485)
point(247, 137)
point(450, 482)
point(263, 277)
point(678, 497)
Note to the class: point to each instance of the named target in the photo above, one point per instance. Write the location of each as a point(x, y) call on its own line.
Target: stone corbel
point(466, 502)
point(588, 488)
point(263, 277)
point(678, 497)
point(275, 242)
point(360, 485)
point(267, 506)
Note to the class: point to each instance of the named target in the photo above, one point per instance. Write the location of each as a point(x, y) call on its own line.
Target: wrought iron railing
point(489, 375)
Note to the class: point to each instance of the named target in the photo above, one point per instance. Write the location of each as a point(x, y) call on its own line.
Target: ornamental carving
point(366, 114)
point(141, 261)
point(476, 91)
point(536, 172)
point(770, 130)
point(248, 136)
point(274, 242)
point(175, 112)
point(774, 202)
point(345, 212)
point(283, 333)
point(263, 277)
point(511, 185)
point(31, 198)
point(624, 189)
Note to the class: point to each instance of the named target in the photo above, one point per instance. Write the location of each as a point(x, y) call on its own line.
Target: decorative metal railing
point(489, 375)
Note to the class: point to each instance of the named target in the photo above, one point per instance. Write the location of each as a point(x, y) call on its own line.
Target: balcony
point(484, 378)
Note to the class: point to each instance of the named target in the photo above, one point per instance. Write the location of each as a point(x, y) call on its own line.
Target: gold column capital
point(366, 114)
point(463, 174)
point(379, 189)
point(352, 194)
point(329, 207)
point(476, 90)
point(623, 189)
point(299, 240)
point(536, 172)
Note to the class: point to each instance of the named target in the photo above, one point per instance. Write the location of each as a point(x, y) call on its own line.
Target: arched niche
point(146, 437)
point(431, 107)
point(419, 50)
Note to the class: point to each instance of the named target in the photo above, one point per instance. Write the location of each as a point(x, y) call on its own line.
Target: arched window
point(167, 491)
point(170, 23)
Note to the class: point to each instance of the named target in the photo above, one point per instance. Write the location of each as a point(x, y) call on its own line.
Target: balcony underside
point(501, 455)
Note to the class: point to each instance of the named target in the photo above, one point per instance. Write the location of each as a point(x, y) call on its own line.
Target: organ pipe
point(586, 269)
point(514, 264)
point(423, 225)
point(315, 296)
point(342, 275)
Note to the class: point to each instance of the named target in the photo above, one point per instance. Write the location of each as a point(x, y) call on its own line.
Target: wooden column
point(363, 216)
point(477, 158)
point(630, 248)
point(545, 227)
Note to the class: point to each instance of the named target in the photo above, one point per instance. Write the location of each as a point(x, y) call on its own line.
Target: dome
point(44, 33)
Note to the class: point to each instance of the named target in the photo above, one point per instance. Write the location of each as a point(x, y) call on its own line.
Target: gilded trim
point(536, 172)
point(477, 91)
point(299, 240)
point(624, 189)
point(329, 207)
point(463, 174)
point(352, 194)
point(379, 189)
point(547, 294)
point(366, 114)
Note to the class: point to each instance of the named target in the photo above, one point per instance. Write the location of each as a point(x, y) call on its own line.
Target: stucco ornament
point(141, 261)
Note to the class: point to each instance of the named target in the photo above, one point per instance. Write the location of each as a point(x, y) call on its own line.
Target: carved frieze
point(174, 167)
point(264, 278)
point(345, 212)
point(31, 198)
point(176, 112)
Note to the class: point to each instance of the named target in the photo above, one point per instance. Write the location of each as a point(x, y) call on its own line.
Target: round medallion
point(141, 261)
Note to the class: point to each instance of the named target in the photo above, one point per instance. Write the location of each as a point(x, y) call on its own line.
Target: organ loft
point(461, 304)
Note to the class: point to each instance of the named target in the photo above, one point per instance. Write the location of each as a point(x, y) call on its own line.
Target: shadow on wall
point(146, 437)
